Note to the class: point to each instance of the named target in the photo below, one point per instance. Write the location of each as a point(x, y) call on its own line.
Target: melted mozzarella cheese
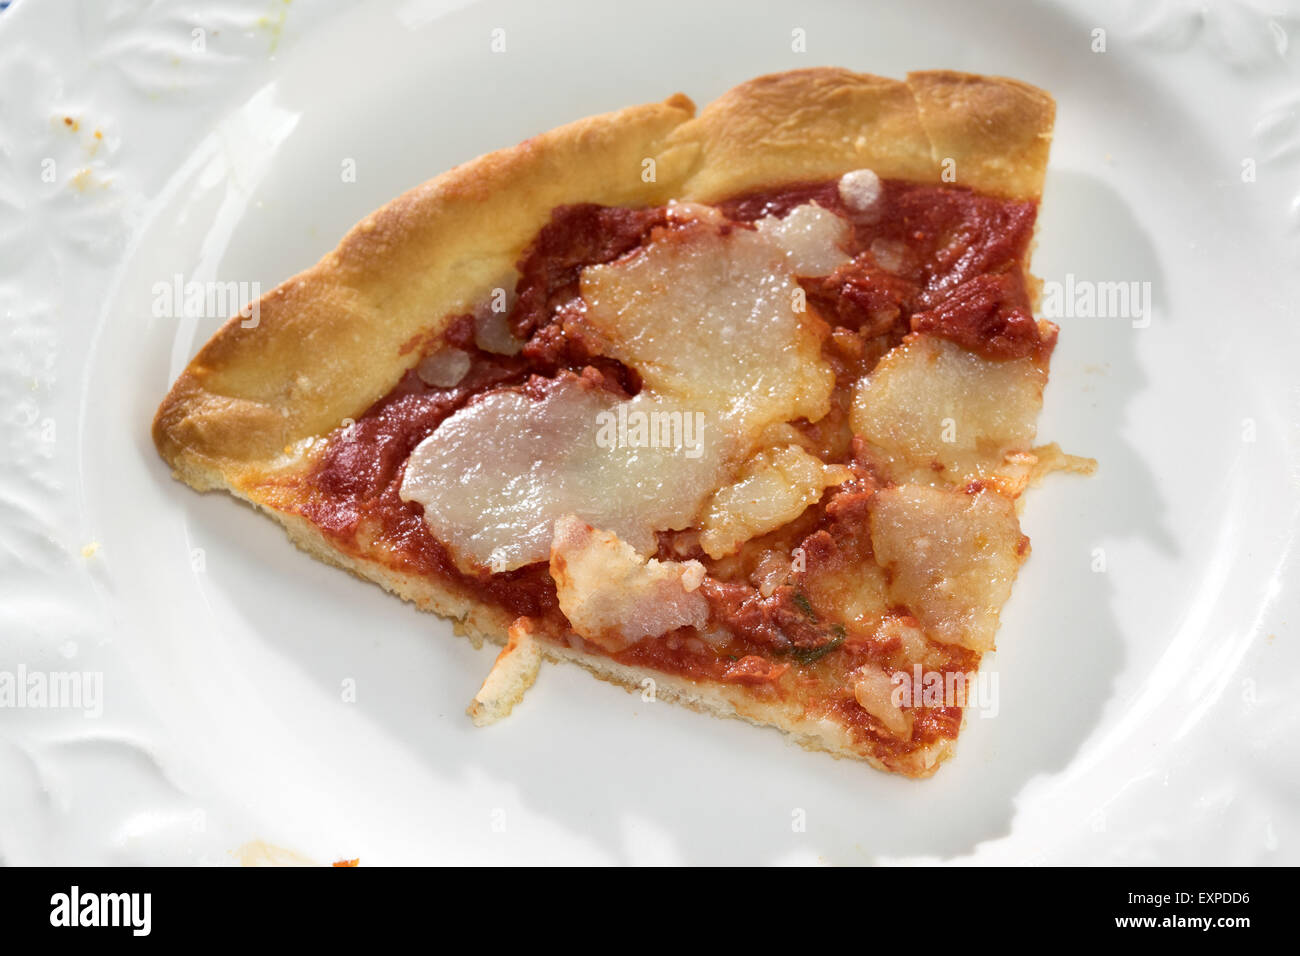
point(613, 596)
point(492, 333)
point(811, 237)
point(951, 557)
point(495, 475)
point(710, 319)
point(873, 689)
point(774, 488)
point(855, 587)
point(444, 369)
point(931, 402)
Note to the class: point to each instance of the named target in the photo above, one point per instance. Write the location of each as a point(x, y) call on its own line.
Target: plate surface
point(255, 705)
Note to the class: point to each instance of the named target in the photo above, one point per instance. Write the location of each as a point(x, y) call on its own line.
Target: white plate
point(1147, 710)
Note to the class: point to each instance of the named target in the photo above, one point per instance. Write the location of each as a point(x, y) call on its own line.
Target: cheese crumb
point(860, 190)
point(444, 369)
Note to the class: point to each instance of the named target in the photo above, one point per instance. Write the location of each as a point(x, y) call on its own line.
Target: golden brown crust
point(996, 131)
point(330, 341)
point(819, 123)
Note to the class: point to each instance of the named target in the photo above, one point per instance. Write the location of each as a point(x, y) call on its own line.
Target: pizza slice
point(731, 407)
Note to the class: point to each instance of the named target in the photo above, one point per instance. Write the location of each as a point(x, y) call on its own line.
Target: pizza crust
point(334, 339)
point(513, 673)
point(818, 124)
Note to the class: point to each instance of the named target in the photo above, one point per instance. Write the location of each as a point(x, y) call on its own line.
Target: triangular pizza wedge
point(733, 408)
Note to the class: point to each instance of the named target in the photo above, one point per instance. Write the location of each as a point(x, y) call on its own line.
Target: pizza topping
point(842, 573)
point(861, 191)
point(613, 596)
point(861, 296)
point(444, 369)
point(708, 318)
point(492, 332)
point(951, 558)
point(577, 236)
point(771, 570)
point(681, 211)
point(986, 315)
point(773, 489)
point(836, 636)
point(873, 689)
point(910, 639)
point(941, 413)
point(812, 239)
point(753, 669)
point(784, 622)
point(493, 477)
point(750, 207)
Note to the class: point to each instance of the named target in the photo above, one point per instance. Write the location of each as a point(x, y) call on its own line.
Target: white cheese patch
point(930, 402)
point(709, 321)
point(495, 475)
point(952, 558)
point(811, 237)
point(492, 333)
point(873, 689)
point(613, 596)
point(890, 254)
point(774, 488)
point(861, 191)
point(444, 368)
